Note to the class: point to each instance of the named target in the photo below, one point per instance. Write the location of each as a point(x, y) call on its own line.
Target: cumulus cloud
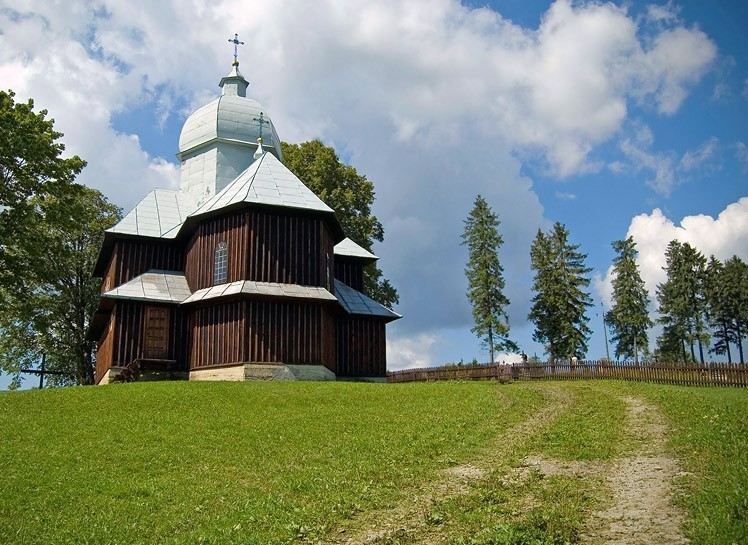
point(414, 351)
point(723, 237)
point(433, 100)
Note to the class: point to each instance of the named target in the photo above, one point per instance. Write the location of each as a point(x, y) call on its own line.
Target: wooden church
point(241, 274)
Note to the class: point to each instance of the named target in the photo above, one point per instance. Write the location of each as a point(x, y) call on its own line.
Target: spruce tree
point(629, 318)
point(560, 301)
point(682, 299)
point(485, 278)
point(727, 298)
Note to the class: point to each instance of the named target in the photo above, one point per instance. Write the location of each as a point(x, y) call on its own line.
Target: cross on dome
point(237, 43)
point(262, 121)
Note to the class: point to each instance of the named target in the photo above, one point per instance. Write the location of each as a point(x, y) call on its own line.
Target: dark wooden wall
point(133, 258)
point(361, 348)
point(261, 332)
point(350, 272)
point(265, 246)
point(104, 352)
point(127, 335)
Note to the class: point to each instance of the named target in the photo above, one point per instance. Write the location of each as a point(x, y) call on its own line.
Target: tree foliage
point(51, 315)
point(727, 299)
point(30, 164)
point(629, 318)
point(560, 301)
point(351, 195)
point(683, 303)
point(485, 278)
point(50, 233)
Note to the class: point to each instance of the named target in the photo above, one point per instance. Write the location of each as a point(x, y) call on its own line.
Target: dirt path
point(642, 511)
point(404, 522)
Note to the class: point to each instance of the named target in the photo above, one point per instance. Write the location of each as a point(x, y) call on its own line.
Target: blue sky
point(616, 119)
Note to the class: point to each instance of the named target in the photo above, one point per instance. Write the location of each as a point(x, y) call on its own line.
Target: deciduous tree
point(629, 318)
point(52, 315)
point(486, 278)
point(31, 163)
point(351, 195)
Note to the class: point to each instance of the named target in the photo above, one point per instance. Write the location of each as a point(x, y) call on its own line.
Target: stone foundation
point(145, 376)
point(263, 371)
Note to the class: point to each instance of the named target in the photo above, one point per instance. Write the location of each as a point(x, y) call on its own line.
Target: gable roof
point(159, 214)
point(355, 302)
point(348, 248)
point(266, 181)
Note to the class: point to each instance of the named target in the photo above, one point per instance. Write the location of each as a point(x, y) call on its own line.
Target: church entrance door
point(156, 333)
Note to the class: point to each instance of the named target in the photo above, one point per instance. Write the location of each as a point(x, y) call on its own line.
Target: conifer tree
point(485, 278)
point(560, 301)
point(629, 318)
point(682, 299)
point(727, 298)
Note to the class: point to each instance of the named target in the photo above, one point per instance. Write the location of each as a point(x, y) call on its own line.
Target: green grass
point(711, 441)
point(228, 462)
point(271, 463)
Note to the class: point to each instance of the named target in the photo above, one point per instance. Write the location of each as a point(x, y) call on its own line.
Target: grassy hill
point(301, 462)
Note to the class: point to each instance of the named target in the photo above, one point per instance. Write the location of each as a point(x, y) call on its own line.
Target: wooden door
point(156, 333)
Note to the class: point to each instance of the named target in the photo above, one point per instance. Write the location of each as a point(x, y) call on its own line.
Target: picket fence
point(687, 374)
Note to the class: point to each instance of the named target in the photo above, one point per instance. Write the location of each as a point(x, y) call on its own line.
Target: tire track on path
point(404, 522)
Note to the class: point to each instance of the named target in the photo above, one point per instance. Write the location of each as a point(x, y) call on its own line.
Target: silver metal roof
point(159, 214)
point(249, 287)
point(266, 181)
point(229, 117)
point(355, 302)
point(155, 286)
point(349, 248)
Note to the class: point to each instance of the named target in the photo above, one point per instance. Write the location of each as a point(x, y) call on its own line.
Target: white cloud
point(741, 154)
point(723, 237)
point(415, 351)
point(565, 196)
point(434, 101)
point(667, 170)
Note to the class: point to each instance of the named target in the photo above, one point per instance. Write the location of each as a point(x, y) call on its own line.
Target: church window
point(220, 270)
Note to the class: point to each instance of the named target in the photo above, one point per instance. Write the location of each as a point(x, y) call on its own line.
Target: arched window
point(220, 269)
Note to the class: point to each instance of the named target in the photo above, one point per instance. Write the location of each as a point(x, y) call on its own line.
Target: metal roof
point(355, 302)
point(270, 289)
point(159, 214)
point(266, 181)
point(229, 117)
point(155, 286)
point(349, 248)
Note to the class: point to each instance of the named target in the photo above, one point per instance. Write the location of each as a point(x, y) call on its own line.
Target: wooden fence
point(708, 374)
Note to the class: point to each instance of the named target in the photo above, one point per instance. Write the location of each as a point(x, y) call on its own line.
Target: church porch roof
point(348, 248)
point(356, 303)
point(153, 286)
point(261, 289)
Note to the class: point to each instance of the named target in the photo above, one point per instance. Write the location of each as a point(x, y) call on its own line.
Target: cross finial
point(262, 121)
point(237, 43)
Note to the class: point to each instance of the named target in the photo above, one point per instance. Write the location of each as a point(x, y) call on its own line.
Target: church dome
point(232, 117)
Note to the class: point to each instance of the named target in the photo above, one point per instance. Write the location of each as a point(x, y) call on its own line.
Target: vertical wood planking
point(264, 246)
point(133, 258)
point(261, 332)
